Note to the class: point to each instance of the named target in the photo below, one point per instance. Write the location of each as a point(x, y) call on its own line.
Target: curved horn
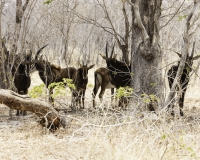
point(103, 56)
point(31, 53)
point(176, 53)
point(192, 50)
point(107, 49)
point(115, 56)
point(37, 53)
point(80, 65)
point(112, 51)
point(4, 45)
point(196, 57)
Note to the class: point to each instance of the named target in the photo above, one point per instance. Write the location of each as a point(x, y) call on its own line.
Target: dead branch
point(48, 115)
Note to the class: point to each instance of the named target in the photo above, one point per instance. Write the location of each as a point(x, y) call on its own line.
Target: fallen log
point(48, 115)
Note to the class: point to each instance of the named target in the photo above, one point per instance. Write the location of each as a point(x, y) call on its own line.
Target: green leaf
point(124, 92)
point(149, 98)
point(59, 87)
point(132, 74)
point(90, 85)
point(153, 84)
point(37, 91)
point(48, 2)
point(164, 136)
point(182, 17)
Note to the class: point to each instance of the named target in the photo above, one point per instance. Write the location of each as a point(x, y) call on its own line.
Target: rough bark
point(20, 9)
point(125, 45)
point(49, 116)
point(146, 52)
point(2, 85)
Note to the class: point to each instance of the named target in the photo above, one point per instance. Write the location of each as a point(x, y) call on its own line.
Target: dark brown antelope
point(20, 70)
point(50, 73)
point(22, 78)
point(80, 80)
point(185, 77)
point(117, 74)
point(103, 79)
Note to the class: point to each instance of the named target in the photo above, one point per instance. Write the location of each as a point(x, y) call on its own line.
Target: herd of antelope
point(115, 75)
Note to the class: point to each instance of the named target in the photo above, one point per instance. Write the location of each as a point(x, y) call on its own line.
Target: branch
point(25, 5)
point(109, 20)
point(42, 109)
point(173, 15)
point(126, 25)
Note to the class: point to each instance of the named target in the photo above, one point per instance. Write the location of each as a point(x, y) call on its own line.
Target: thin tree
point(190, 29)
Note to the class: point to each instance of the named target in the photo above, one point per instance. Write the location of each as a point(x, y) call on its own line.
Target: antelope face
point(84, 70)
point(28, 62)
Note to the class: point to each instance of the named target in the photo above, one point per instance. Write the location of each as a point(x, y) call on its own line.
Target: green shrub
point(37, 91)
point(124, 92)
point(59, 88)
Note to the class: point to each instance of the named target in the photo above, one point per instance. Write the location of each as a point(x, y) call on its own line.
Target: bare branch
point(25, 5)
point(173, 15)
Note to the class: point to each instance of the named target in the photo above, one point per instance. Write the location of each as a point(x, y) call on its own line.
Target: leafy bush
point(124, 92)
point(59, 88)
point(149, 98)
point(37, 91)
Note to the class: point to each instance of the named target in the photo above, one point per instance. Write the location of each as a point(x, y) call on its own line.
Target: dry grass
point(103, 134)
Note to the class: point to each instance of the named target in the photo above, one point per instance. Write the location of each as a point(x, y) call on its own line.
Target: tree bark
point(2, 85)
point(146, 52)
point(49, 116)
point(20, 9)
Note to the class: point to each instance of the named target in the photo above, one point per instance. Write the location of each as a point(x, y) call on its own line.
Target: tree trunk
point(49, 116)
point(146, 52)
point(2, 84)
point(20, 9)
point(19, 14)
point(1, 63)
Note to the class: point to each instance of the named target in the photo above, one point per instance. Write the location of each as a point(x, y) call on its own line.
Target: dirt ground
point(103, 134)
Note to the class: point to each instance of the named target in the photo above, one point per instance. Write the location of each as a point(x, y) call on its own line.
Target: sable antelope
point(16, 64)
point(80, 80)
point(22, 78)
point(185, 77)
point(117, 74)
point(50, 73)
point(102, 78)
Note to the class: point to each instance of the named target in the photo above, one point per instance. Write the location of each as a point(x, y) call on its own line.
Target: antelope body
point(117, 74)
point(184, 79)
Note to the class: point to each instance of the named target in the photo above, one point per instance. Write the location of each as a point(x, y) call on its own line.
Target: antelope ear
point(180, 55)
point(56, 67)
point(91, 66)
point(196, 57)
point(80, 65)
point(176, 53)
point(103, 56)
point(115, 56)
